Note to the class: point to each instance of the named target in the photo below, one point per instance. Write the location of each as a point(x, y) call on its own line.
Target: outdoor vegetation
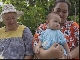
point(35, 11)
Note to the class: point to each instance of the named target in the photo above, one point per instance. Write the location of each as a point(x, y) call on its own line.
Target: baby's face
point(54, 23)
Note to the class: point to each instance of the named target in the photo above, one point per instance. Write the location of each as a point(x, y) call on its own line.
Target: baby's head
point(53, 21)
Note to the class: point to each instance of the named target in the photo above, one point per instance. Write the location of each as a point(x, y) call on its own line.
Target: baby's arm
point(69, 56)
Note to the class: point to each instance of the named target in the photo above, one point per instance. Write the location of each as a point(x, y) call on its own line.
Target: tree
point(35, 11)
point(74, 10)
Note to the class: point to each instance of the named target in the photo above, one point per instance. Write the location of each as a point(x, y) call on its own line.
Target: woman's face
point(61, 8)
point(10, 19)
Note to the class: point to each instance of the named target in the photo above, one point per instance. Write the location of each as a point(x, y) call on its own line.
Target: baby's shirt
point(49, 37)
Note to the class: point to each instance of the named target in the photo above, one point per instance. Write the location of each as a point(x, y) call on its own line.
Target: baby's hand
point(69, 56)
point(37, 50)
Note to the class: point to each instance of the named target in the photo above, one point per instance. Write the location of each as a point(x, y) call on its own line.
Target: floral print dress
point(15, 44)
point(70, 31)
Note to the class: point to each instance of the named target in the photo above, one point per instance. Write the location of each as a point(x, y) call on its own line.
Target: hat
point(10, 8)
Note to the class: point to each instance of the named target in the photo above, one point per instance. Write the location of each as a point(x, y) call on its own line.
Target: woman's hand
point(37, 49)
point(56, 51)
point(69, 56)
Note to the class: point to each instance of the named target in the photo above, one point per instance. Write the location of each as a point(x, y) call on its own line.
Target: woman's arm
point(55, 51)
point(75, 52)
point(27, 39)
point(66, 47)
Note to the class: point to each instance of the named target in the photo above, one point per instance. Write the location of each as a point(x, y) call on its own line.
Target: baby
point(53, 35)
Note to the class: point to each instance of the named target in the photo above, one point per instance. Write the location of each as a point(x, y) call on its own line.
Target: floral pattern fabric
point(70, 31)
point(16, 47)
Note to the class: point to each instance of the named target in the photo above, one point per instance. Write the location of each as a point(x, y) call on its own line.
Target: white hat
point(10, 8)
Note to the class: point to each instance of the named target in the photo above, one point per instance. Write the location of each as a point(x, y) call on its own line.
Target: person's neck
point(62, 24)
point(11, 29)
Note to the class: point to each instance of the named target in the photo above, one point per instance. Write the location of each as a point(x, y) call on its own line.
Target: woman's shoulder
point(72, 23)
point(27, 34)
point(76, 24)
point(26, 29)
point(69, 22)
point(23, 27)
point(2, 29)
point(42, 26)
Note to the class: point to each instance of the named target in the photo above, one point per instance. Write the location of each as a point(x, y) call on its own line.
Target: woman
point(15, 39)
point(70, 30)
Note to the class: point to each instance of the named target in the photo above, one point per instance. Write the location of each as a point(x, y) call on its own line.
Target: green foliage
point(73, 18)
point(74, 4)
point(35, 11)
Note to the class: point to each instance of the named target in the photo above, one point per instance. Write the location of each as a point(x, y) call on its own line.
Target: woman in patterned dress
point(70, 30)
point(15, 39)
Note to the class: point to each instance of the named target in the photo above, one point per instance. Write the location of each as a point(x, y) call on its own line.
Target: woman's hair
point(57, 1)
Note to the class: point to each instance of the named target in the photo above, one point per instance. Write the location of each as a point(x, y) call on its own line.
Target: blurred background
point(35, 11)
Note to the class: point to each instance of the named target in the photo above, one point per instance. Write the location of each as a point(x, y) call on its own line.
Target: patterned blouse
point(15, 44)
point(70, 31)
